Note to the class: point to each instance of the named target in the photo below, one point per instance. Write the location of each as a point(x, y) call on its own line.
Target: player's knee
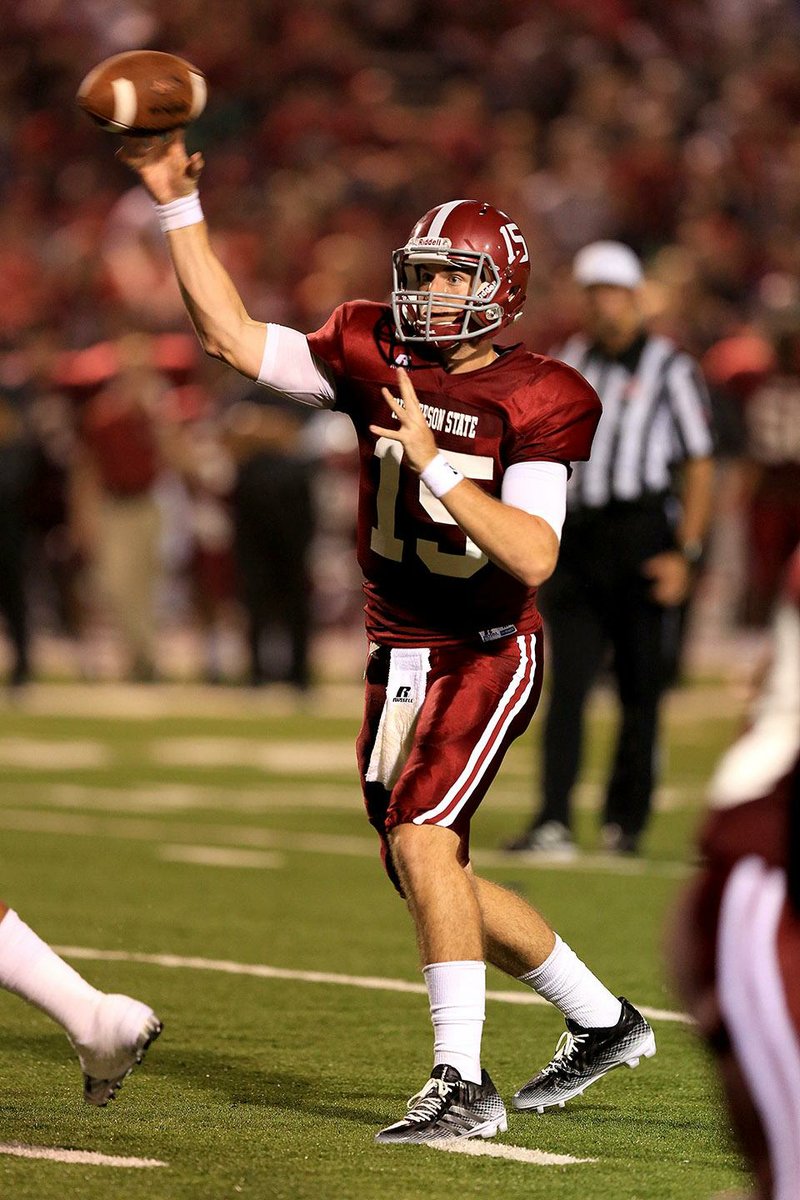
point(416, 848)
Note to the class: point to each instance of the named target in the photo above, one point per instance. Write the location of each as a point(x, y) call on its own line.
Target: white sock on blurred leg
point(31, 969)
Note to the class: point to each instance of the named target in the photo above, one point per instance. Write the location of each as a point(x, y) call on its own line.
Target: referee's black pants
point(599, 601)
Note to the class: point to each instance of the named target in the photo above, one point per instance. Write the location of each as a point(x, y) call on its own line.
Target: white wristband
point(179, 213)
point(440, 477)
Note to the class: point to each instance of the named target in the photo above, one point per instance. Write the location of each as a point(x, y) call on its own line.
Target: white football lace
point(567, 1043)
point(425, 1104)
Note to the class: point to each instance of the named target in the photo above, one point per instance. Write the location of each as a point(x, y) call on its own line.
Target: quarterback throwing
point(464, 455)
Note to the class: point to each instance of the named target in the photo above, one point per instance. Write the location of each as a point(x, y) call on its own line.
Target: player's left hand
point(411, 430)
point(671, 577)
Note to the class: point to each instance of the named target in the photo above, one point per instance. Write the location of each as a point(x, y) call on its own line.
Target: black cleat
point(583, 1055)
point(449, 1107)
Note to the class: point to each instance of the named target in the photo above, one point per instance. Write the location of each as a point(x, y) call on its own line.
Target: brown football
point(143, 92)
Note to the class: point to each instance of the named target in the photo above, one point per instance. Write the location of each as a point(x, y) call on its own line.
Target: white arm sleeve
point(538, 488)
point(289, 367)
point(761, 757)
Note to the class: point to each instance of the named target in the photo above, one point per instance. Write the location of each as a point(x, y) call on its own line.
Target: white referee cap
point(607, 262)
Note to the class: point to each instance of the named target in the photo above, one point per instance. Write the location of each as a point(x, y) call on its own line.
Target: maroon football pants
point(477, 701)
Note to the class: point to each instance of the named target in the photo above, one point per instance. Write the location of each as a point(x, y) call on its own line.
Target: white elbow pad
point(289, 367)
point(538, 488)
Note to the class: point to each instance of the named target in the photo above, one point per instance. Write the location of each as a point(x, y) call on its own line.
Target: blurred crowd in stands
point(126, 459)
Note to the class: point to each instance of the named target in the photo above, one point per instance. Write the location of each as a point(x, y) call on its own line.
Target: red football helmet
point(468, 236)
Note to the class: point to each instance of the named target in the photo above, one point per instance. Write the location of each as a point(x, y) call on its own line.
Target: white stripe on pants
point(753, 1004)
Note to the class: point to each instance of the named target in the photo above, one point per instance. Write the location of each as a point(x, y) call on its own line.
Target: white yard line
point(338, 795)
point(87, 1158)
point(515, 1153)
point(220, 856)
point(32, 754)
point(605, 864)
point(273, 757)
point(131, 829)
point(133, 702)
point(262, 971)
point(515, 790)
point(341, 794)
point(127, 702)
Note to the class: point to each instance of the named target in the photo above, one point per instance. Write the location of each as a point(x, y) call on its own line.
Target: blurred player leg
point(110, 1033)
point(735, 945)
point(757, 949)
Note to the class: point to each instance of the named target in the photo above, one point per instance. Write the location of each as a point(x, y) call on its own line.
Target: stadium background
point(330, 127)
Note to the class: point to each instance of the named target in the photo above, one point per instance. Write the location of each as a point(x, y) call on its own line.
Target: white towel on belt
point(405, 692)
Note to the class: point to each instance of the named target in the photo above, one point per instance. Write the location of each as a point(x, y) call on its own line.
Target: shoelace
point(567, 1044)
point(425, 1105)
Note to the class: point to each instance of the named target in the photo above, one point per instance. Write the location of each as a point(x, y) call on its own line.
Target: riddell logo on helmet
point(440, 245)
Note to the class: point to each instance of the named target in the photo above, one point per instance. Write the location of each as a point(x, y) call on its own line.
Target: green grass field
point(229, 830)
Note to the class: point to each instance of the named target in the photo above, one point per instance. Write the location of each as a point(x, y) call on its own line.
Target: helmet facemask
point(413, 306)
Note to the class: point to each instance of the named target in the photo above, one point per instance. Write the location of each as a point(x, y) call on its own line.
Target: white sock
point(569, 984)
point(33, 971)
point(457, 992)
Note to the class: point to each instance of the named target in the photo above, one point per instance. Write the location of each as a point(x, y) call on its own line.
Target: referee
point(636, 517)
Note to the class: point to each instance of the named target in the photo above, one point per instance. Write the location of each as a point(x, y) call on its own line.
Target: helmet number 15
point(384, 540)
point(513, 237)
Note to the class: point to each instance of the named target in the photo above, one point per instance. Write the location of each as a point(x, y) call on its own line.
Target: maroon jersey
point(426, 582)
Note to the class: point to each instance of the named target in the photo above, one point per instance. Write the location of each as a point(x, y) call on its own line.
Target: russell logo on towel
point(403, 696)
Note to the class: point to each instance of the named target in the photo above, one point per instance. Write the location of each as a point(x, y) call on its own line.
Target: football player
point(464, 453)
point(736, 942)
point(110, 1033)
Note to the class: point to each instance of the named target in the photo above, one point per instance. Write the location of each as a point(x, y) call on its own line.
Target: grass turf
point(273, 1088)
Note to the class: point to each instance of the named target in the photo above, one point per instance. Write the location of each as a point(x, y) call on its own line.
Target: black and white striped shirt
point(655, 416)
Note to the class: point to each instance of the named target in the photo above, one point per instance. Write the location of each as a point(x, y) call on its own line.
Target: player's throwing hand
point(163, 165)
point(412, 430)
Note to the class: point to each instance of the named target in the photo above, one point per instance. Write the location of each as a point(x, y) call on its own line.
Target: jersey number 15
point(384, 540)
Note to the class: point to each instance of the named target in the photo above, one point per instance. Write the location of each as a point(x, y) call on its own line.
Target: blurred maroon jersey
point(426, 582)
